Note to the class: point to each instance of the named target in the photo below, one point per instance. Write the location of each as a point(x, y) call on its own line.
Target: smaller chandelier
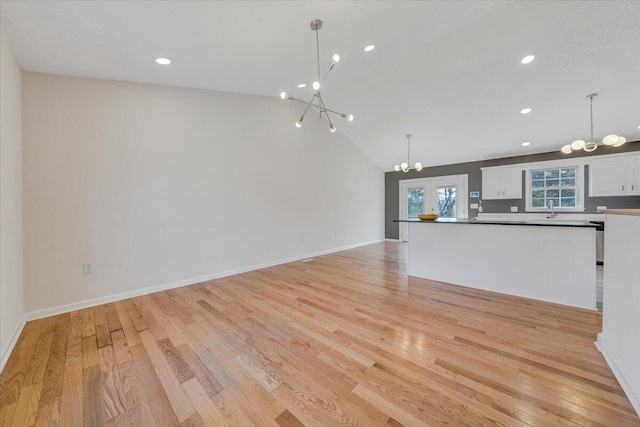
point(316, 101)
point(579, 144)
point(404, 167)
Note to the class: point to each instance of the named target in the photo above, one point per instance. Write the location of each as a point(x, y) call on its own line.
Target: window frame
point(579, 207)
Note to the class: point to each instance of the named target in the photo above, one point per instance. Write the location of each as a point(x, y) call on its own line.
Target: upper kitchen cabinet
point(614, 176)
point(502, 183)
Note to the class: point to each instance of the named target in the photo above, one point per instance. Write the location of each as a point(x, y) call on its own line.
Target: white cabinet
point(634, 175)
point(502, 183)
point(614, 176)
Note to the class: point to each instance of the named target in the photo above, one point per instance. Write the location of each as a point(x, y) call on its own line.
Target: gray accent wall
point(473, 170)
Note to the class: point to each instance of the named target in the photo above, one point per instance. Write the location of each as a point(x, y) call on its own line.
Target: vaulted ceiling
point(448, 72)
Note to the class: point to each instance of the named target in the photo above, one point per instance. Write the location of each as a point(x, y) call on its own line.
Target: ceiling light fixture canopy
point(590, 146)
point(316, 100)
point(404, 167)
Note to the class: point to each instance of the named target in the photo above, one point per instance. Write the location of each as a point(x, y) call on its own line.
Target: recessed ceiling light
point(163, 61)
point(527, 59)
point(302, 85)
point(525, 144)
point(525, 111)
point(370, 48)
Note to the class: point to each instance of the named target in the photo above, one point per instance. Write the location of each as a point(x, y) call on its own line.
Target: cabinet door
point(512, 183)
point(491, 187)
point(634, 175)
point(608, 176)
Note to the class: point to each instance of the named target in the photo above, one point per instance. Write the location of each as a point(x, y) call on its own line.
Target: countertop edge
point(520, 223)
point(629, 212)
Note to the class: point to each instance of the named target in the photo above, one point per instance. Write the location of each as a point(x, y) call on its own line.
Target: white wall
point(619, 341)
point(11, 285)
point(155, 184)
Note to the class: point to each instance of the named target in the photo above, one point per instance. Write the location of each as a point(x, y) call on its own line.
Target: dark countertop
point(541, 223)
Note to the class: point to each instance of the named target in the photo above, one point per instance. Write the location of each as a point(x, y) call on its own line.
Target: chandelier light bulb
point(566, 149)
point(163, 61)
point(301, 85)
point(621, 141)
point(316, 85)
point(404, 165)
point(336, 58)
point(332, 128)
point(610, 139)
point(283, 95)
point(350, 118)
point(590, 146)
point(298, 124)
point(396, 168)
point(418, 166)
point(577, 144)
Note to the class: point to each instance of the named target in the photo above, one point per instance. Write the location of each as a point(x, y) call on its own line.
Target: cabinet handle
point(503, 191)
point(623, 188)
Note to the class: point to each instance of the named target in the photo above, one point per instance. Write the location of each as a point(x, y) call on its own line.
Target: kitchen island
point(547, 260)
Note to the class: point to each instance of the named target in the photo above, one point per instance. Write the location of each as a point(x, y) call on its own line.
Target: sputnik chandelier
point(316, 100)
point(579, 144)
point(404, 167)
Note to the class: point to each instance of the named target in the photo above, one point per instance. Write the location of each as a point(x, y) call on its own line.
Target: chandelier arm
point(304, 102)
point(325, 108)
point(327, 73)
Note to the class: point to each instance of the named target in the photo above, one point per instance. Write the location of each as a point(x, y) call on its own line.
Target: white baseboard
point(392, 240)
point(619, 372)
point(6, 352)
point(52, 311)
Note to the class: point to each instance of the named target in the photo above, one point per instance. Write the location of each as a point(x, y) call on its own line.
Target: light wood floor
point(342, 339)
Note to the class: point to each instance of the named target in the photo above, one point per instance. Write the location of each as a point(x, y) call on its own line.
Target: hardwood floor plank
point(344, 339)
point(156, 398)
point(93, 411)
point(48, 415)
point(209, 412)
point(54, 373)
point(114, 400)
point(180, 403)
point(71, 405)
point(27, 406)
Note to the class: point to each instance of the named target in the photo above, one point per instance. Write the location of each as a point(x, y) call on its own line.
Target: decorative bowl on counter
point(428, 217)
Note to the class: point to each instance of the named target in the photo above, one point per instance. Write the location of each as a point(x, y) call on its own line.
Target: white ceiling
point(448, 72)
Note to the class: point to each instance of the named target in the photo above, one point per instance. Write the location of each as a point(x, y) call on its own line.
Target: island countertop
point(473, 221)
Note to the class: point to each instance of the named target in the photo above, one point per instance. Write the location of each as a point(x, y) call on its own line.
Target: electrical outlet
point(600, 208)
point(87, 268)
point(514, 209)
point(473, 206)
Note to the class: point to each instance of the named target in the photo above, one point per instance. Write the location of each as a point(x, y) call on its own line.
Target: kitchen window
point(560, 185)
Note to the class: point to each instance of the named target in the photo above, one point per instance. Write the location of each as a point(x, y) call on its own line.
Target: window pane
point(568, 203)
point(553, 182)
point(537, 174)
point(552, 173)
point(568, 172)
point(446, 202)
point(537, 194)
point(553, 194)
point(568, 193)
point(537, 184)
point(415, 202)
point(537, 203)
point(568, 182)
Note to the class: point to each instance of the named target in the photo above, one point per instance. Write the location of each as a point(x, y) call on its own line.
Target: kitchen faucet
point(552, 214)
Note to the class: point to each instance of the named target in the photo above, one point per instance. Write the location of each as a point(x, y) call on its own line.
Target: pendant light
point(579, 144)
point(404, 167)
point(316, 100)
